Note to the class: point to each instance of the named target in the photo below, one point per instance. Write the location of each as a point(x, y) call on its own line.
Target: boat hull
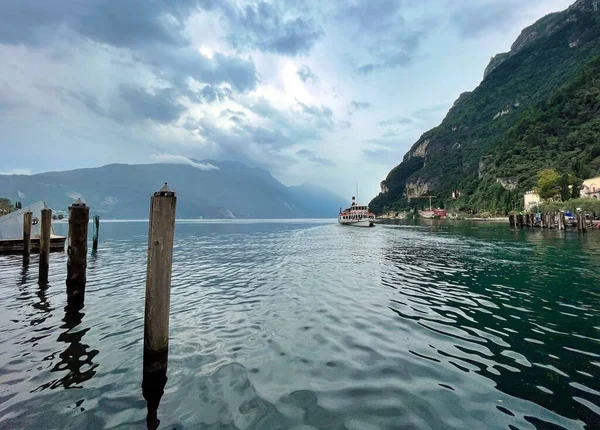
point(359, 223)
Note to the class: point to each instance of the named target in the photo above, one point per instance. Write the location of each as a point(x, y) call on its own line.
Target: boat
point(11, 231)
point(356, 215)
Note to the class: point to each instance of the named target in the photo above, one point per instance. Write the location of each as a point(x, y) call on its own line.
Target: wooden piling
point(511, 220)
point(551, 218)
point(579, 220)
point(45, 231)
point(26, 236)
point(79, 219)
point(95, 233)
point(158, 279)
point(561, 220)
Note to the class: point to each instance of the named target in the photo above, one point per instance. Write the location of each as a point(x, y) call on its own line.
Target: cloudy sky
point(331, 92)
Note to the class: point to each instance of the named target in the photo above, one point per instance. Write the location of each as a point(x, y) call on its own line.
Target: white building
point(591, 188)
point(530, 200)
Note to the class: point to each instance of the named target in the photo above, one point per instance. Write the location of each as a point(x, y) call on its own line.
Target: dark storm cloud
point(210, 94)
point(372, 14)
point(265, 26)
point(152, 30)
point(388, 38)
point(320, 117)
point(305, 73)
point(313, 157)
point(400, 120)
point(256, 145)
point(124, 23)
point(161, 107)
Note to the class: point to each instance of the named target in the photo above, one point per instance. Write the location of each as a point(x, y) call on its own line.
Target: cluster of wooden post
point(550, 220)
point(76, 251)
point(581, 224)
point(158, 279)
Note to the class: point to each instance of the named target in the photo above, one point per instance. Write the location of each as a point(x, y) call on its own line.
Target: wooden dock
point(15, 246)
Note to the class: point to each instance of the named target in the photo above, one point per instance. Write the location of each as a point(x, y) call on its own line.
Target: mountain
point(320, 197)
point(536, 107)
point(207, 189)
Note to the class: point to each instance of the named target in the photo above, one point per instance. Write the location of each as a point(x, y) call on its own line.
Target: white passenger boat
point(356, 215)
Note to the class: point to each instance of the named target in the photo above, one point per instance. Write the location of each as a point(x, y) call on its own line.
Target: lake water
point(305, 324)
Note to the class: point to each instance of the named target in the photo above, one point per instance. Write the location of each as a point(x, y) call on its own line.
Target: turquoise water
point(306, 324)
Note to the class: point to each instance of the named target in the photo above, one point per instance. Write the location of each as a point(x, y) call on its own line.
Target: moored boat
point(356, 215)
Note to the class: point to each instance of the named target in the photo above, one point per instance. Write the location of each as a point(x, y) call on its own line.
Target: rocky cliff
point(462, 150)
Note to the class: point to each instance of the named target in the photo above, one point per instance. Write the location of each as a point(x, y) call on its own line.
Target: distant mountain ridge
point(536, 108)
point(205, 189)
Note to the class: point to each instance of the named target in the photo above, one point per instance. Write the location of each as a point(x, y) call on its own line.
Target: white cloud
point(179, 159)
point(208, 80)
point(16, 172)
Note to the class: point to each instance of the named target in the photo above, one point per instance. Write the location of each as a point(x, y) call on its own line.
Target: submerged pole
point(79, 218)
point(45, 230)
point(95, 234)
point(26, 236)
point(161, 233)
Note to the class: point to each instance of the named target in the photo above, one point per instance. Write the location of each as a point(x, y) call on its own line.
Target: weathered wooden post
point(551, 217)
point(583, 222)
point(511, 220)
point(95, 233)
point(45, 230)
point(26, 236)
point(561, 220)
point(79, 219)
point(161, 233)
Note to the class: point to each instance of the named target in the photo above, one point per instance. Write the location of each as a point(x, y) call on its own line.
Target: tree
point(5, 205)
point(563, 183)
point(576, 187)
point(61, 216)
point(548, 183)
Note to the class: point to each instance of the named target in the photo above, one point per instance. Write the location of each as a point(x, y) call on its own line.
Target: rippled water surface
point(310, 325)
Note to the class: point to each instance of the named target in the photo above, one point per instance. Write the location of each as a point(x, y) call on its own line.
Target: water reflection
point(153, 388)
point(77, 359)
point(512, 323)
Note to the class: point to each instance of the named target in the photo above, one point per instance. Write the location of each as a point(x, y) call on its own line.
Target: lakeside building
point(590, 188)
point(531, 199)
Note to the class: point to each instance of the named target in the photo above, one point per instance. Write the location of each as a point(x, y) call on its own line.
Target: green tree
point(548, 183)
point(563, 183)
point(5, 205)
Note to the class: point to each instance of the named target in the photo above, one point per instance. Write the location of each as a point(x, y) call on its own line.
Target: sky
point(328, 92)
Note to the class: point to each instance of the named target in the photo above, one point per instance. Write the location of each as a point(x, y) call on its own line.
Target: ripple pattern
point(307, 324)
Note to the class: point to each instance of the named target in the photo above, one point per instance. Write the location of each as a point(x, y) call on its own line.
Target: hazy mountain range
point(205, 189)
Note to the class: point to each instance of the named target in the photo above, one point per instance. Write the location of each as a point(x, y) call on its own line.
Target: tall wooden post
point(511, 220)
point(26, 236)
point(161, 233)
point(79, 219)
point(95, 233)
point(582, 222)
point(45, 231)
point(561, 220)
